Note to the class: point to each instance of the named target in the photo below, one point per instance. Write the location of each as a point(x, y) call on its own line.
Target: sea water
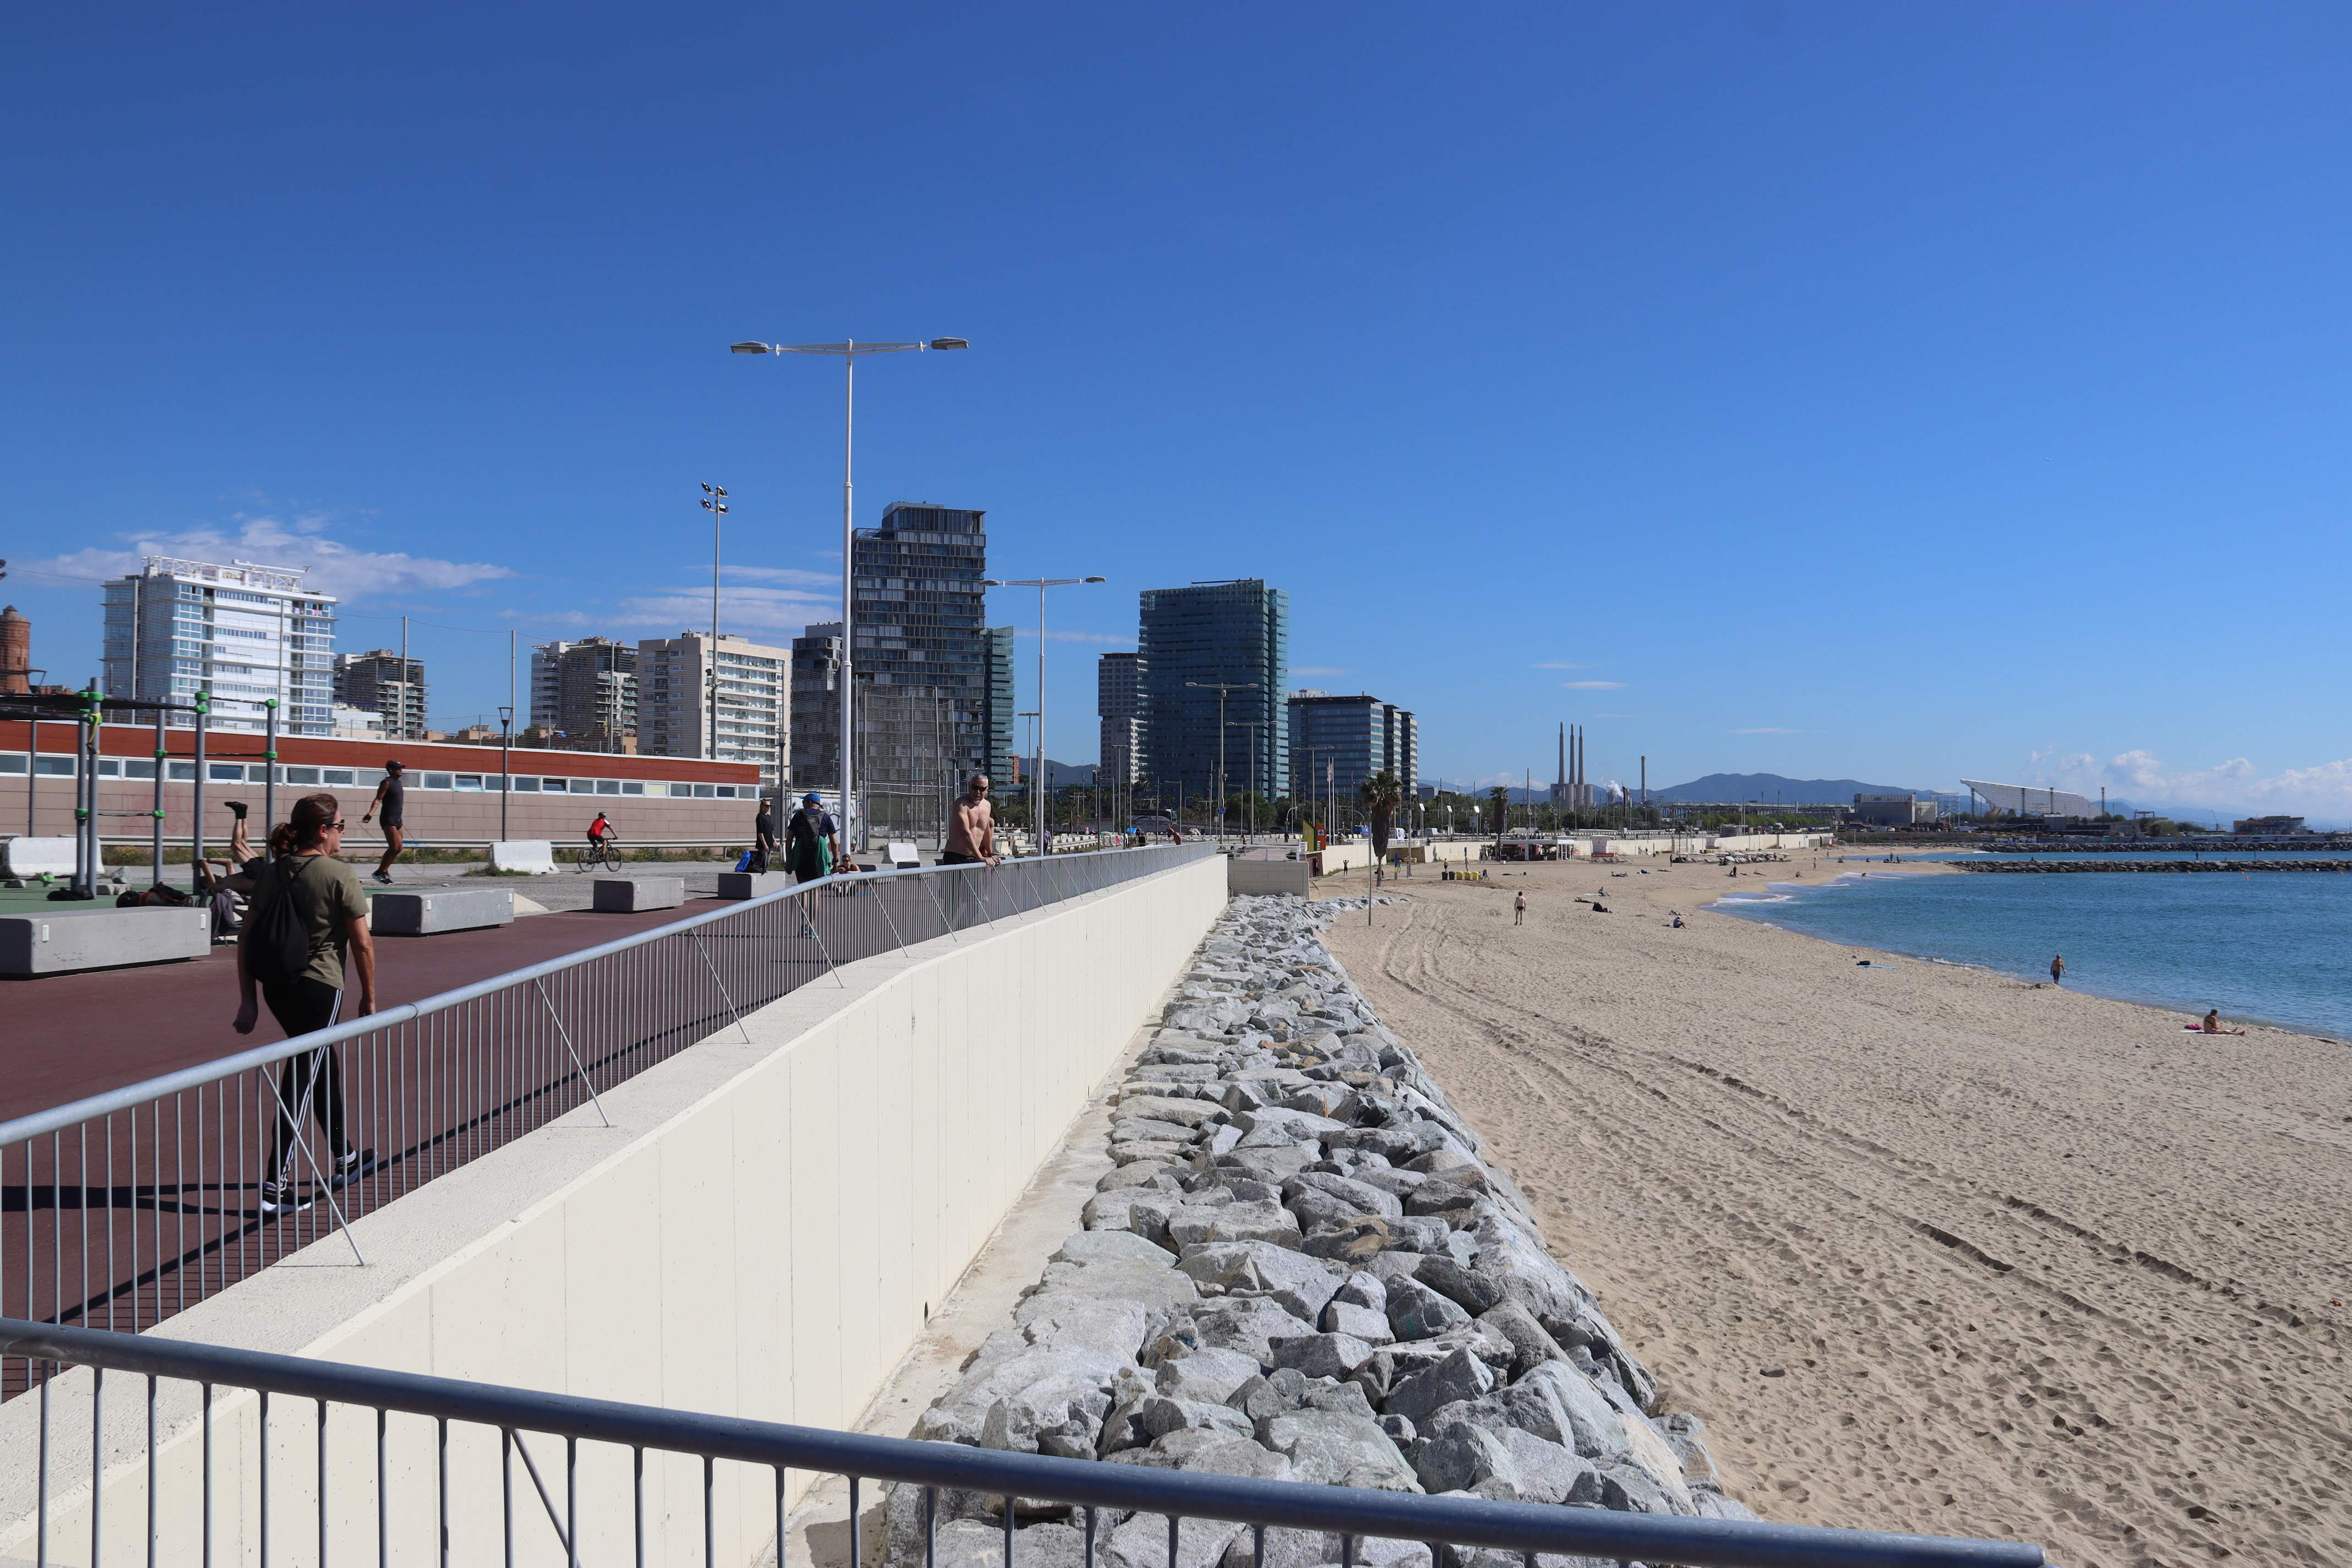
point(2271, 946)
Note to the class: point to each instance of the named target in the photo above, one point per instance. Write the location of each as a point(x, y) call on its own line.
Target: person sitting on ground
point(2212, 1024)
point(1678, 919)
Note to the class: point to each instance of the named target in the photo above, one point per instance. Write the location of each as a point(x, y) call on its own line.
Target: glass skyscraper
point(1337, 741)
point(1233, 633)
point(921, 660)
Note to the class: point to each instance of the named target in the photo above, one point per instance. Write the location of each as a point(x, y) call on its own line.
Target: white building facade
point(244, 635)
point(753, 700)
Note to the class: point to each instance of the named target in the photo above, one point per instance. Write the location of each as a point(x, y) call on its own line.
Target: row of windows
point(11, 764)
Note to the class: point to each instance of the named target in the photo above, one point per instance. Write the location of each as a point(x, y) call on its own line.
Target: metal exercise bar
point(123, 1208)
point(1527, 1529)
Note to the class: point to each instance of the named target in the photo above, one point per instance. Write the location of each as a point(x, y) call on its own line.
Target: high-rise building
point(546, 685)
point(754, 699)
point(1117, 702)
point(596, 696)
point(816, 708)
point(380, 682)
point(1000, 707)
point(1236, 634)
point(245, 634)
point(921, 658)
point(1339, 742)
point(15, 653)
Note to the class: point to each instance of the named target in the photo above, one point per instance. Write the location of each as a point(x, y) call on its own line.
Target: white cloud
point(1317, 669)
point(1769, 730)
point(742, 609)
point(1592, 685)
point(2320, 790)
point(334, 567)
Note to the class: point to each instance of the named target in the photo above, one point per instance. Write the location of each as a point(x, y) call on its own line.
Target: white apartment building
point(243, 633)
point(546, 685)
point(754, 700)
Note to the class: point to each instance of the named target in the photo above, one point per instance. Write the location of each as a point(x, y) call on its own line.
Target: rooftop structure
point(242, 633)
point(2030, 800)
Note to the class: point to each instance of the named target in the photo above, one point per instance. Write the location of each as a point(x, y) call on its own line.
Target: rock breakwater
point(1301, 1266)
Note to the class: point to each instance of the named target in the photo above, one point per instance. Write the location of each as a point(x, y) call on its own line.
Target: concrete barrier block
point(1247, 875)
point(533, 856)
point(751, 884)
point(443, 909)
point(67, 943)
point(623, 895)
point(25, 856)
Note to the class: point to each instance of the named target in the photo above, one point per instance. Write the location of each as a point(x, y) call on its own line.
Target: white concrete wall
point(762, 1234)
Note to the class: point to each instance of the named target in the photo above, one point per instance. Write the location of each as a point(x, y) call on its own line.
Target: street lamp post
point(848, 351)
point(714, 501)
point(1221, 687)
point(1040, 584)
point(506, 764)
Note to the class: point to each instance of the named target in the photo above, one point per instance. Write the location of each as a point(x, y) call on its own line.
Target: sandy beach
point(1927, 1249)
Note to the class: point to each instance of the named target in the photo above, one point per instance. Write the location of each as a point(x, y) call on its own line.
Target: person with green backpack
point(813, 841)
point(309, 915)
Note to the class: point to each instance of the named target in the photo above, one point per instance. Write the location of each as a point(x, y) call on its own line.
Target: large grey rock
point(1305, 1549)
point(1304, 1285)
point(1142, 1543)
point(1461, 1457)
point(1321, 1355)
point(1112, 1246)
point(1417, 1312)
point(1586, 1420)
point(1110, 1324)
point(1361, 1196)
point(1151, 1417)
point(1340, 1451)
point(1548, 1472)
point(1461, 1375)
point(1475, 1292)
point(1270, 1222)
point(1206, 1373)
point(1062, 1416)
point(1530, 1345)
point(1249, 1324)
point(1149, 1129)
point(1370, 1324)
point(1198, 1450)
point(1148, 1283)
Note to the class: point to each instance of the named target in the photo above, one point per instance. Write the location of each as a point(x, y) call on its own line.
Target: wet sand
point(1927, 1249)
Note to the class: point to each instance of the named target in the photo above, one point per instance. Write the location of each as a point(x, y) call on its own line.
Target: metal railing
point(120, 1209)
point(1031, 1485)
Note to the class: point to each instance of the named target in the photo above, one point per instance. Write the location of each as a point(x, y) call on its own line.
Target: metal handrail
point(98, 1105)
point(1525, 1528)
point(124, 1208)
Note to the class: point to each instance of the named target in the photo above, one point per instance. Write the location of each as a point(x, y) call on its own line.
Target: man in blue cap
point(813, 840)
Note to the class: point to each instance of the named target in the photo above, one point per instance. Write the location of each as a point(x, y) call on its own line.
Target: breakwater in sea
point(2305, 863)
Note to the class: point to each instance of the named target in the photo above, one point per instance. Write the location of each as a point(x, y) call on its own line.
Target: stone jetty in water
point(1302, 1268)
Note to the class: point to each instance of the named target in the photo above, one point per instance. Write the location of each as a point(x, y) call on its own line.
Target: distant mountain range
point(1772, 788)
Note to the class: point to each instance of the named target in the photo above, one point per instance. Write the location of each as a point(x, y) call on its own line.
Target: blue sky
point(1896, 392)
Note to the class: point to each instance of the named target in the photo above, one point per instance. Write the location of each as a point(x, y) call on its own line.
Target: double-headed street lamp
point(1037, 783)
point(848, 351)
point(1221, 687)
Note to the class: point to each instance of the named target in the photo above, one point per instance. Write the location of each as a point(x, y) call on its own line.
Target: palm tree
point(1501, 795)
point(1381, 794)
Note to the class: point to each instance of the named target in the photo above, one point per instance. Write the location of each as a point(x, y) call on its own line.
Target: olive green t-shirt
point(327, 895)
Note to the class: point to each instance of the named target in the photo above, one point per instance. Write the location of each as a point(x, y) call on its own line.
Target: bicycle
point(606, 854)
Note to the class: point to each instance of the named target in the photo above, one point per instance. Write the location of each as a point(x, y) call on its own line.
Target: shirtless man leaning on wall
point(971, 828)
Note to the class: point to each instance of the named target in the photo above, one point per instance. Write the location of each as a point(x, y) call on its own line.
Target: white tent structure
point(2031, 800)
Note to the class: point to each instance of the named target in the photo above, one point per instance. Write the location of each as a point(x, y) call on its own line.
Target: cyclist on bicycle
point(599, 831)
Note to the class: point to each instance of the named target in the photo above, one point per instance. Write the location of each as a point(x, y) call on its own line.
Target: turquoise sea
point(2271, 946)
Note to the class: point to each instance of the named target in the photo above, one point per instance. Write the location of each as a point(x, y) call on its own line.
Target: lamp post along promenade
point(847, 351)
point(1037, 783)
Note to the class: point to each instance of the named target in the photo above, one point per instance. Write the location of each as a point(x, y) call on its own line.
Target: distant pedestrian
point(2057, 969)
point(1520, 907)
point(299, 967)
point(971, 828)
point(763, 836)
point(391, 800)
point(813, 840)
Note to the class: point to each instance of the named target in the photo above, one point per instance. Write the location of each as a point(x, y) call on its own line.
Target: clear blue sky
point(1901, 392)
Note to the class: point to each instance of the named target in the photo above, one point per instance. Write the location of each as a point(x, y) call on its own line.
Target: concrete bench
point(625, 895)
point(443, 909)
point(72, 941)
point(902, 855)
point(751, 884)
point(533, 857)
point(24, 855)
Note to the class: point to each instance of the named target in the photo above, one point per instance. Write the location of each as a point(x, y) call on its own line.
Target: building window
point(437, 781)
point(526, 786)
point(608, 786)
point(469, 781)
point(632, 786)
point(337, 776)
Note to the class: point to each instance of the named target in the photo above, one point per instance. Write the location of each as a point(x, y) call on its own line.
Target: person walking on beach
point(2057, 969)
point(1520, 907)
point(971, 828)
point(392, 798)
point(296, 955)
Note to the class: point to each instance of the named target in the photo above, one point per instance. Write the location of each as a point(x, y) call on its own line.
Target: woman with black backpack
point(308, 914)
